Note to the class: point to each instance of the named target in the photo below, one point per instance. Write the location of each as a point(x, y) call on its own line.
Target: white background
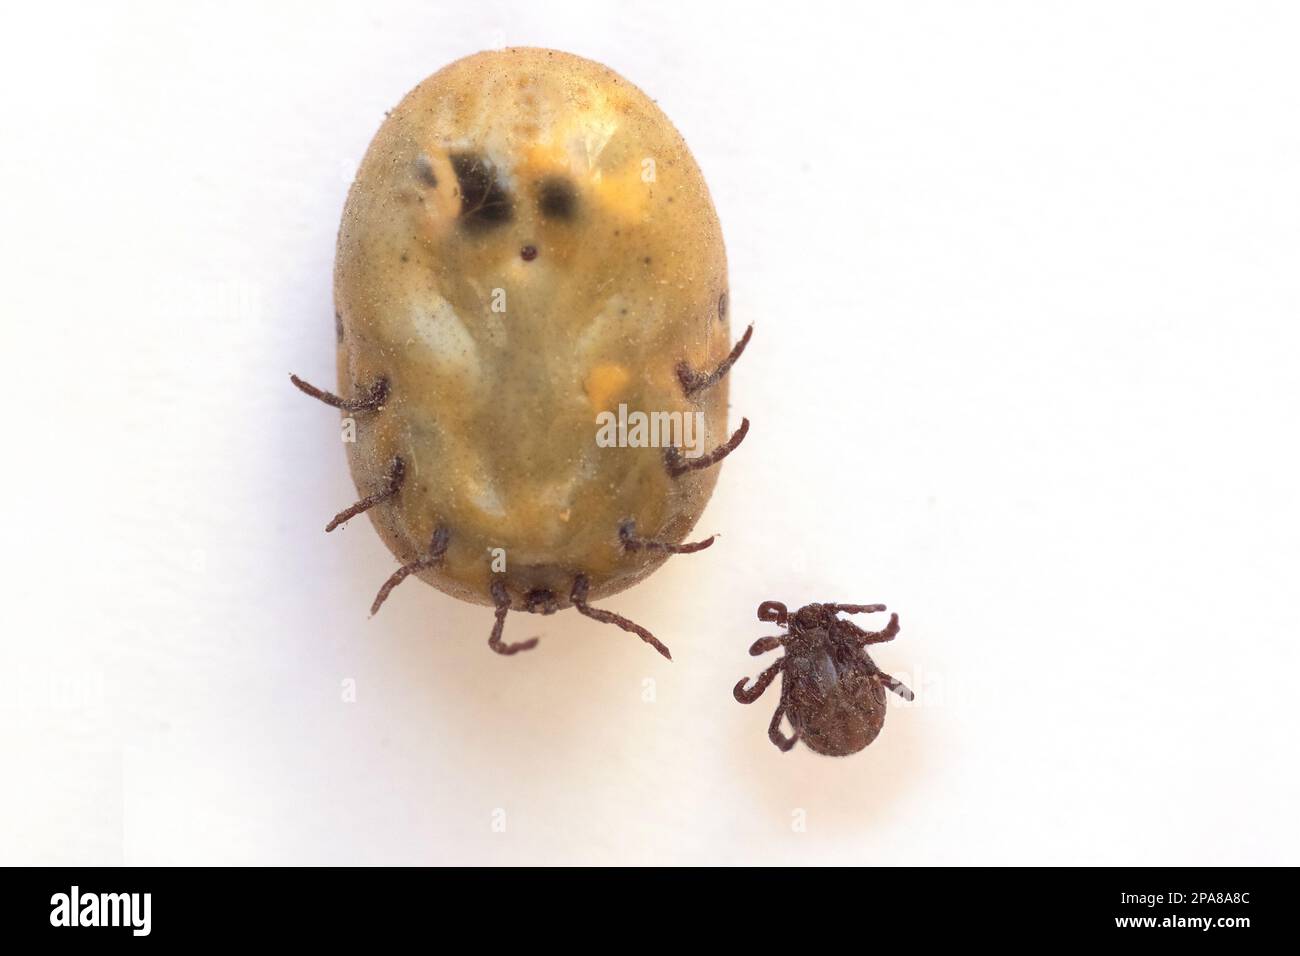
point(1024, 279)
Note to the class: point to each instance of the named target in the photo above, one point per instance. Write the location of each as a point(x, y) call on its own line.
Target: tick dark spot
point(722, 307)
point(338, 326)
point(528, 253)
point(424, 170)
point(556, 198)
point(484, 202)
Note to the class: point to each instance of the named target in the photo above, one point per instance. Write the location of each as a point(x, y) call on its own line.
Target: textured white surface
point(1025, 286)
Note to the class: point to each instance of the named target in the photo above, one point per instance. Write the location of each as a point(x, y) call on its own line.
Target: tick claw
point(502, 600)
point(678, 466)
point(396, 472)
point(627, 534)
point(372, 402)
point(693, 381)
point(578, 598)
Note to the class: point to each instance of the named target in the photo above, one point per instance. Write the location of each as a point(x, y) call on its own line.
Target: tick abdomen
point(840, 716)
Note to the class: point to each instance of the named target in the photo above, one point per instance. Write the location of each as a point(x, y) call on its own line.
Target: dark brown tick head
point(809, 618)
point(812, 617)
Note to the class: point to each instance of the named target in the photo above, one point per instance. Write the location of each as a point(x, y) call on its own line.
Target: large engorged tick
point(832, 692)
point(494, 301)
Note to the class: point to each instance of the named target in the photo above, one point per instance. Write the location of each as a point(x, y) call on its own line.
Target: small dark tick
point(832, 693)
point(528, 253)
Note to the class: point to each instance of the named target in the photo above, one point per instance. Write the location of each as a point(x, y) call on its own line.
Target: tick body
point(832, 692)
point(529, 245)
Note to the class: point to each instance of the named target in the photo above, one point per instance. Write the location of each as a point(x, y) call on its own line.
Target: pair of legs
point(537, 602)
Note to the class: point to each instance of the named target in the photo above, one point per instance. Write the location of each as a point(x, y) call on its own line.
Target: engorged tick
point(473, 389)
point(832, 693)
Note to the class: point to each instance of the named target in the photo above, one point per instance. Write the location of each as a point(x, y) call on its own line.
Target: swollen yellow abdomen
point(529, 244)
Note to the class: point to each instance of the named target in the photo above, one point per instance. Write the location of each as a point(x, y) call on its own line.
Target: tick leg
point(627, 534)
point(855, 608)
point(761, 684)
point(678, 466)
point(783, 743)
point(894, 684)
point(502, 601)
point(437, 548)
point(765, 644)
point(393, 484)
point(372, 402)
point(773, 611)
point(579, 600)
point(693, 381)
point(874, 637)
